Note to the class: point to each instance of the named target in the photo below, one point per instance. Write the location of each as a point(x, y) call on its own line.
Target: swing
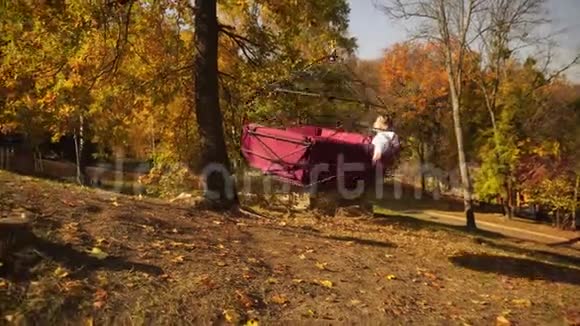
point(309, 155)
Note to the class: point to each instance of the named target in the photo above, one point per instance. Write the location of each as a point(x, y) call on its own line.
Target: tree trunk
point(422, 164)
point(510, 198)
point(575, 216)
point(14, 233)
point(214, 164)
point(81, 152)
point(466, 182)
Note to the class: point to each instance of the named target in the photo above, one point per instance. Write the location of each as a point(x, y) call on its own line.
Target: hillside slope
point(109, 259)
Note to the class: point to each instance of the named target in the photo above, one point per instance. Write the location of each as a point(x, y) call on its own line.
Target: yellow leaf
point(178, 259)
point(252, 322)
point(321, 266)
point(272, 280)
point(502, 321)
point(522, 302)
point(391, 277)
point(60, 272)
point(98, 253)
point(326, 283)
point(297, 280)
point(279, 299)
point(302, 257)
point(231, 316)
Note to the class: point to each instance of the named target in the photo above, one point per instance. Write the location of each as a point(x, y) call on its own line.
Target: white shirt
point(382, 141)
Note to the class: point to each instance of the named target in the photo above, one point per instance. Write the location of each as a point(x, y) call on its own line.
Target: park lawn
point(105, 258)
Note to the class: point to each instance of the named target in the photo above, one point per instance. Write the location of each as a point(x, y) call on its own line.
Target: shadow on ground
point(317, 234)
point(412, 223)
point(518, 267)
point(19, 264)
point(488, 238)
point(537, 253)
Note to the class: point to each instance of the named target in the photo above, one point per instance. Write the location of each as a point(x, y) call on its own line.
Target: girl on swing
point(384, 138)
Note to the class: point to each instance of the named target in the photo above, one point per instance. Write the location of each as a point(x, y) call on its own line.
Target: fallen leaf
point(326, 283)
point(279, 299)
point(178, 259)
point(247, 275)
point(391, 277)
point(231, 316)
point(389, 256)
point(221, 263)
point(98, 304)
point(98, 253)
point(3, 284)
point(272, 280)
point(218, 222)
point(60, 272)
point(245, 299)
point(522, 303)
point(430, 276)
point(17, 319)
point(483, 303)
point(302, 256)
point(297, 280)
point(572, 317)
point(252, 322)
point(321, 266)
point(502, 321)
point(73, 287)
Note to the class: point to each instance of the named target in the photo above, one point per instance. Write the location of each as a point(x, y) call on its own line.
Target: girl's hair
point(382, 122)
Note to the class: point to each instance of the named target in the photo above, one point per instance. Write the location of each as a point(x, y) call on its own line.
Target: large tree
point(414, 78)
point(214, 163)
point(450, 24)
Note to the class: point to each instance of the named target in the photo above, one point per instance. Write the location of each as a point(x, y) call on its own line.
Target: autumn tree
point(414, 78)
point(450, 23)
point(213, 153)
point(504, 28)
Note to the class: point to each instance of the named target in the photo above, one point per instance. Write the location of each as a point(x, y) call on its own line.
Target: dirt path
point(510, 231)
point(110, 259)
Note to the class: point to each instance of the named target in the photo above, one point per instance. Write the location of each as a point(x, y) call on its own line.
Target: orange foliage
point(414, 75)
